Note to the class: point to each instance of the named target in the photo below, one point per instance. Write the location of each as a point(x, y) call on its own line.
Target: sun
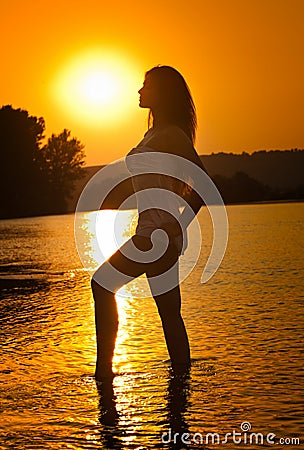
point(97, 88)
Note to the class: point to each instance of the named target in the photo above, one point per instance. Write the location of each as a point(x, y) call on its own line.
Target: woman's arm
point(193, 205)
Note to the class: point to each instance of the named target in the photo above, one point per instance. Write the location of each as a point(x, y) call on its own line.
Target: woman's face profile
point(148, 95)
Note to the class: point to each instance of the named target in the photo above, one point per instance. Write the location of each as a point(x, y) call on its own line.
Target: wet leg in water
point(168, 304)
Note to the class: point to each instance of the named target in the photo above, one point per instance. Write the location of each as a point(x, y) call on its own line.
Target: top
point(152, 165)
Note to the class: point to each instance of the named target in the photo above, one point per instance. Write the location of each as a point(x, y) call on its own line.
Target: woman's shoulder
point(174, 132)
point(170, 139)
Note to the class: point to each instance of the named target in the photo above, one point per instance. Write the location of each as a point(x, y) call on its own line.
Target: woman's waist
point(180, 242)
point(150, 221)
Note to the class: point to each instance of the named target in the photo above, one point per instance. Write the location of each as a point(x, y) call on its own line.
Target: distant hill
point(275, 174)
point(278, 169)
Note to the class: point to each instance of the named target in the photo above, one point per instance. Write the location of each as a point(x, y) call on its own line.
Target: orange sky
point(243, 60)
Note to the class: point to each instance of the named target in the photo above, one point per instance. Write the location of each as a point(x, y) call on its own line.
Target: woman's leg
point(169, 307)
point(111, 276)
point(106, 322)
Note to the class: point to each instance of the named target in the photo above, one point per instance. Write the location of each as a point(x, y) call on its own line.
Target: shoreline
point(258, 202)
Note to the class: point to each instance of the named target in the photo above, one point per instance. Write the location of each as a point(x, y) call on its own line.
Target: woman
point(171, 134)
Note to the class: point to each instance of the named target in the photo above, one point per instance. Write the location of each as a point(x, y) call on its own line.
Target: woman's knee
point(94, 284)
point(98, 289)
point(106, 279)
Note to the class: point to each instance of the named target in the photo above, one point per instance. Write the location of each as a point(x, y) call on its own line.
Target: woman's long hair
point(176, 100)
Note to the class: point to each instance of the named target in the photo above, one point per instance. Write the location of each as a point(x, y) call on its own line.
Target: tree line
point(35, 178)
point(281, 170)
point(242, 188)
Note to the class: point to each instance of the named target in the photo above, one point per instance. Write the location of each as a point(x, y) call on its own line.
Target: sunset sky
point(79, 65)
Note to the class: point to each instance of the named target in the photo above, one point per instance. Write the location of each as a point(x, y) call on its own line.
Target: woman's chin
point(142, 105)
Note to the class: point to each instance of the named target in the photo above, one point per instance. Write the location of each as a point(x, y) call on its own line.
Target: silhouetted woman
point(172, 126)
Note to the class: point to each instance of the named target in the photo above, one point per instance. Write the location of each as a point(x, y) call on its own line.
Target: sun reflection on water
point(124, 305)
point(113, 228)
point(102, 233)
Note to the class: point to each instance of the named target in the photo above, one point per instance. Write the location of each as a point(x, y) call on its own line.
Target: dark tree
point(241, 188)
point(21, 182)
point(61, 160)
point(35, 179)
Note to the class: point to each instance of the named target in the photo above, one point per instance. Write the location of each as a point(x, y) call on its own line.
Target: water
point(245, 328)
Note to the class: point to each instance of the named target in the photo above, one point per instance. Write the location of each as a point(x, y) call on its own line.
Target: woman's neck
point(159, 119)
